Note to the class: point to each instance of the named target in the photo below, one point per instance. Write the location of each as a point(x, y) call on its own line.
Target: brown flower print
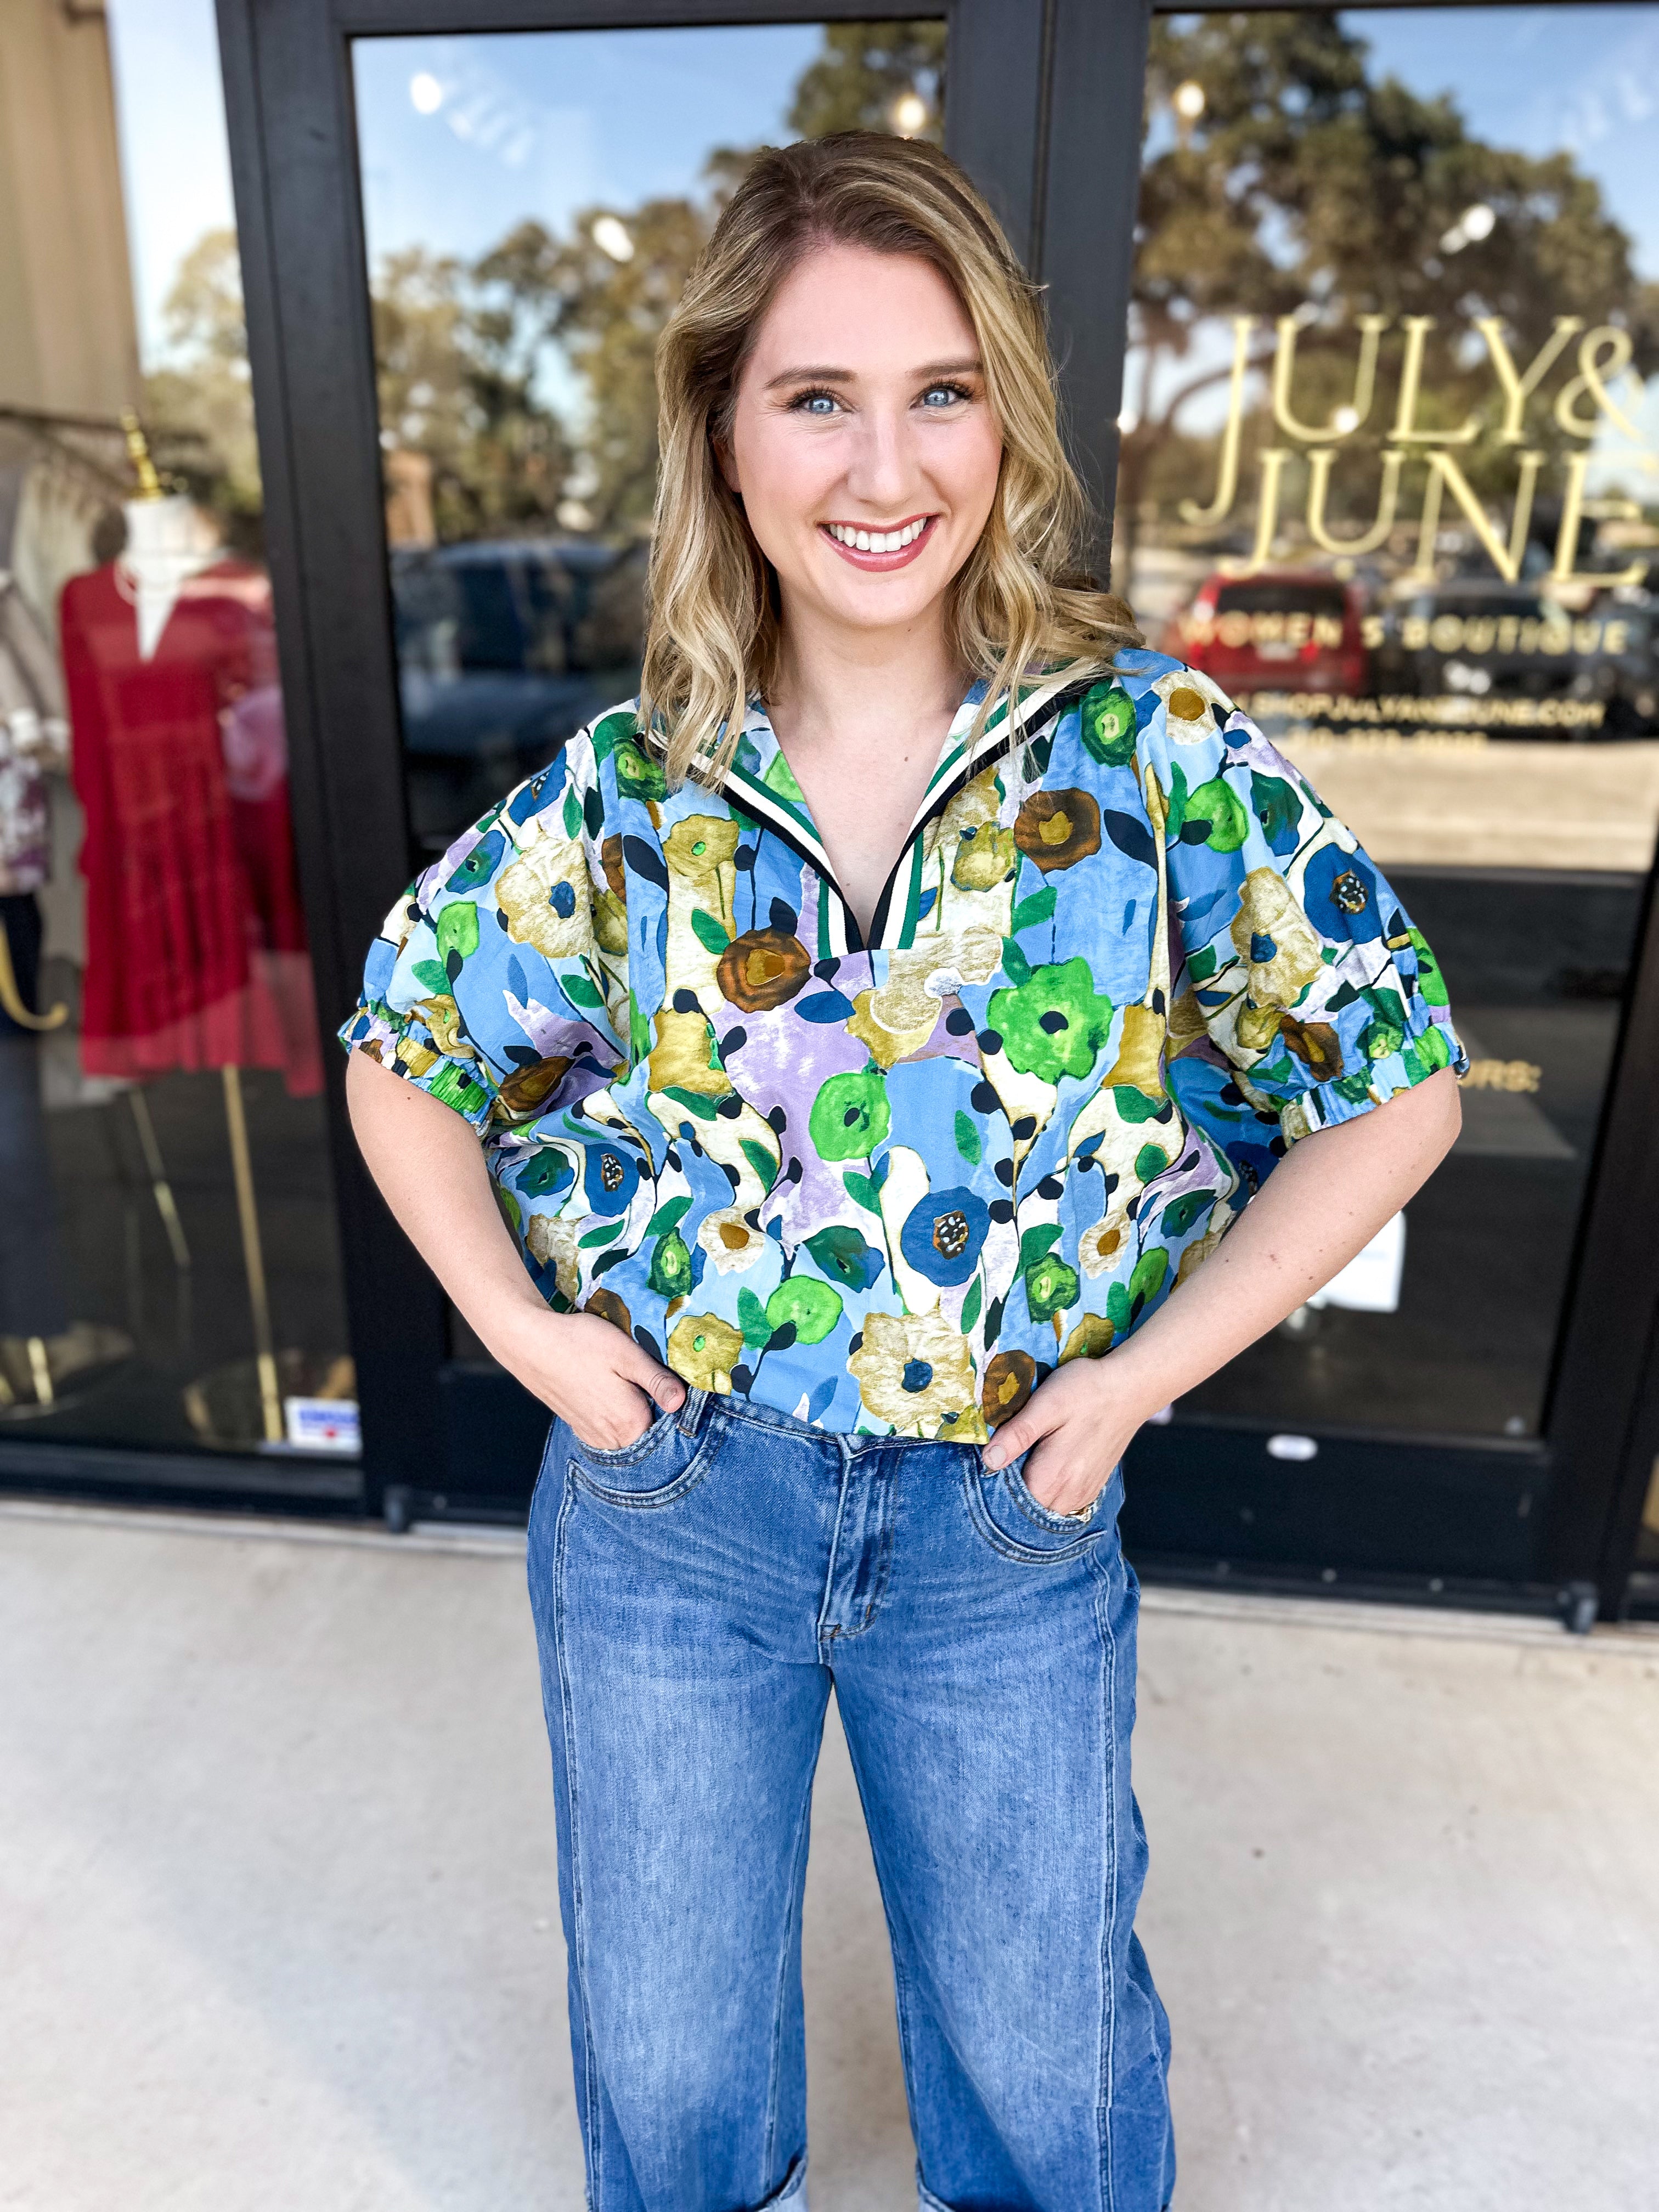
point(1057, 829)
point(762, 968)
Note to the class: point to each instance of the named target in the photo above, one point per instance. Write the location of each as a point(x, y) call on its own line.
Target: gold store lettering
point(1603, 355)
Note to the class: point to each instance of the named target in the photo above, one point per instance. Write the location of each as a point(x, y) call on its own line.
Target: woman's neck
point(840, 690)
point(861, 716)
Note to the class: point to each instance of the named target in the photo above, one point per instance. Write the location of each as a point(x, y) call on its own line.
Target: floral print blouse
point(1125, 960)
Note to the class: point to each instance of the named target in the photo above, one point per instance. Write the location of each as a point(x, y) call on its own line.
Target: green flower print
point(1430, 981)
point(1051, 1287)
point(639, 776)
point(1217, 805)
point(1109, 725)
point(671, 1267)
point(811, 1307)
point(1054, 1024)
point(458, 930)
point(849, 1115)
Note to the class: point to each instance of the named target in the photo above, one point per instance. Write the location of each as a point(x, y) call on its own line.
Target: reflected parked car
point(1508, 649)
point(1278, 629)
point(504, 649)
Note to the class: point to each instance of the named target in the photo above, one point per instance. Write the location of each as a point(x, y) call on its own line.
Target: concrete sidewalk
point(278, 1926)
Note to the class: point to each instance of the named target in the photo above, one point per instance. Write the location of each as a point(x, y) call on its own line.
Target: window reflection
point(1391, 474)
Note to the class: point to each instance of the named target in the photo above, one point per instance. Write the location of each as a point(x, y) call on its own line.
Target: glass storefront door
point(169, 1272)
point(1390, 475)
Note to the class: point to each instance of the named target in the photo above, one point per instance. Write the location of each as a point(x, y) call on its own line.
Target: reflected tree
point(1305, 186)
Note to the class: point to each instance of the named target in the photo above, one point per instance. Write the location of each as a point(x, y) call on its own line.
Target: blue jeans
point(694, 1597)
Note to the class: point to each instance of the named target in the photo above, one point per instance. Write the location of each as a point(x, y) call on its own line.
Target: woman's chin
point(861, 600)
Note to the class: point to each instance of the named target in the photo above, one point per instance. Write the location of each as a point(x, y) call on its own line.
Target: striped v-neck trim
point(1040, 707)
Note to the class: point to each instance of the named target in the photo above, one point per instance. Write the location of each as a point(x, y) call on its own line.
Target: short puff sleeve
point(1297, 973)
point(499, 981)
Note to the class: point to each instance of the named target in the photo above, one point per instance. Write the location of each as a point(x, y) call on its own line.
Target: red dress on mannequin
point(196, 952)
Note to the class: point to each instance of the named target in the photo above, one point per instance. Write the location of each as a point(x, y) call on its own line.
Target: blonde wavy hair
point(1018, 603)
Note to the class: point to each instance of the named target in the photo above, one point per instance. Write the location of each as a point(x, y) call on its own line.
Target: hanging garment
point(195, 950)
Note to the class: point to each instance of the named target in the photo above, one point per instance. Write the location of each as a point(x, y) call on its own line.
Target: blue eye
point(815, 402)
point(938, 394)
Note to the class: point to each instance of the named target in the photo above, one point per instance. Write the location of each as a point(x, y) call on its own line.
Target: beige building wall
point(69, 342)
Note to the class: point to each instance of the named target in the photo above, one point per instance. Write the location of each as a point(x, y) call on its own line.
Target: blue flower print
point(611, 1180)
point(1339, 896)
point(942, 1237)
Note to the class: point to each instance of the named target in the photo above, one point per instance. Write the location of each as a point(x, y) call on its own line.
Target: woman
point(868, 1032)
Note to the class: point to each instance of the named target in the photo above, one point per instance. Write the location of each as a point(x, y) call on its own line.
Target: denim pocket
point(1013, 1521)
point(657, 1468)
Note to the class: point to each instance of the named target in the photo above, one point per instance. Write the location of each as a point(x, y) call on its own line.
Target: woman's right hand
point(588, 1372)
point(430, 1167)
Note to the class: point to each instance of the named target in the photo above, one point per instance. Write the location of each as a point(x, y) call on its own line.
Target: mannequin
point(196, 954)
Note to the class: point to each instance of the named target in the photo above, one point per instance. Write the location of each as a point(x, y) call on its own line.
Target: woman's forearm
point(1322, 1204)
point(430, 1166)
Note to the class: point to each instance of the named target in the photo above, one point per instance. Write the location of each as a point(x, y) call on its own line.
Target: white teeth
point(877, 541)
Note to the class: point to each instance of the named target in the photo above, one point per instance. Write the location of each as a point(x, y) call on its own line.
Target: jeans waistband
point(694, 1411)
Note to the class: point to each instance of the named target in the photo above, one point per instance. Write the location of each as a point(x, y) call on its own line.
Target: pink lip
point(881, 562)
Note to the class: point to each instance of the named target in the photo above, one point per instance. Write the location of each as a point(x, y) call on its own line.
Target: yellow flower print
point(703, 1350)
point(1189, 705)
point(1186, 1023)
point(974, 862)
point(1257, 1027)
point(443, 1018)
point(1100, 1248)
point(730, 1240)
point(924, 974)
point(1275, 939)
point(1090, 1339)
point(1141, 1052)
point(685, 1056)
point(550, 1239)
point(610, 921)
point(887, 1047)
point(984, 858)
point(914, 1372)
point(547, 897)
point(698, 850)
point(702, 880)
point(413, 1057)
point(400, 920)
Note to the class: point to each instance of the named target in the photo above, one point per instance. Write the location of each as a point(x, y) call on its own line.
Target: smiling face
point(862, 443)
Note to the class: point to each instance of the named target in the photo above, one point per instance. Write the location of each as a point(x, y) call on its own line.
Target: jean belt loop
point(689, 1417)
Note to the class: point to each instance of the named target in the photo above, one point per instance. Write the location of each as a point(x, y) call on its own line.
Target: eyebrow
point(825, 376)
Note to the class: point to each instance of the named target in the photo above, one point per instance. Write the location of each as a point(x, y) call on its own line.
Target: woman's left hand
point(1076, 1426)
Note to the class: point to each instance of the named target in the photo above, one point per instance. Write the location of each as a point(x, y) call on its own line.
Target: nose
point(882, 475)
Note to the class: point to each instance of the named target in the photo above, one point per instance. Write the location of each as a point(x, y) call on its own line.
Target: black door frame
point(1044, 109)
